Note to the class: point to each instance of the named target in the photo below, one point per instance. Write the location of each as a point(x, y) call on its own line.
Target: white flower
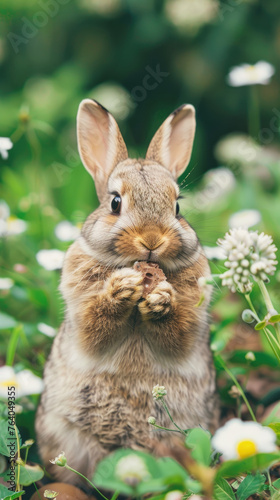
point(151, 420)
point(47, 330)
point(248, 254)
point(6, 283)
point(10, 225)
point(214, 253)
point(25, 382)
point(237, 439)
point(104, 8)
point(115, 98)
point(61, 460)
point(132, 470)
point(65, 231)
point(247, 74)
point(218, 182)
point(245, 218)
point(174, 495)
point(159, 392)
point(50, 259)
point(237, 148)
point(190, 15)
point(5, 145)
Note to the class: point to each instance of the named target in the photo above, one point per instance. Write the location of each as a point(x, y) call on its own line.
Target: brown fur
point(114, 346)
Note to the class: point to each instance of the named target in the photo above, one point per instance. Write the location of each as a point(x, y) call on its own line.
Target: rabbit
point(114, 345)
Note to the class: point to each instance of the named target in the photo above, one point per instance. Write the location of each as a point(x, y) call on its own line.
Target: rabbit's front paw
point(126, 285)
point(159, 302)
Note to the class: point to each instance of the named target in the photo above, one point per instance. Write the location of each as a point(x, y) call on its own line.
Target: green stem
point(18, 452)
point(222, 363)
point(268, 304)
point(269, 338)
point(248, 298)
point(81, 475)
point(165, 428)
point(115, 496)
point(168, 413)
point(254, 113)
point(267, 332)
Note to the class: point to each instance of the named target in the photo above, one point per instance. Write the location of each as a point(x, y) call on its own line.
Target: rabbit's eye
point(177, 208)
point(116, 204)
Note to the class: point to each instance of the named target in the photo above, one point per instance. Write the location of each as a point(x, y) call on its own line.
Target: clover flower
point(159, 392)
point(132, 470)
point(61, 460)
point(249, 254)
point(251, 74)
point(238, 440)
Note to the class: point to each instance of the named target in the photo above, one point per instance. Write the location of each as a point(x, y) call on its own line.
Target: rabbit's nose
point(151, 241)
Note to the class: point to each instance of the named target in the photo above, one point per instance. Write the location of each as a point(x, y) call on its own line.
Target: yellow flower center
point(9, 383)
point(246, 448)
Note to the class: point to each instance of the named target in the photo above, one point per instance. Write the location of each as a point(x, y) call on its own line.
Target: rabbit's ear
point(100, 142)
point(172, 144)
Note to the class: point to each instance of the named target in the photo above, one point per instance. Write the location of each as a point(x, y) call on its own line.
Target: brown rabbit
point(115, 345)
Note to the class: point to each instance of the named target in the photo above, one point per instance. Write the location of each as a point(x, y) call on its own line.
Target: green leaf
point(28, 474)
point(260, 325)
point(258, 462)
point(7, 437)
point(275, 427)
point(7, 322)
point(199, 441)
point(222, 490)
point(261, 358)
point(276, 483)
point(274, 319)
point(6, 494)
point(250, 485)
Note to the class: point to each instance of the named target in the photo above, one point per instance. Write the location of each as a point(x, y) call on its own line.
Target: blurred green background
point(141, 59)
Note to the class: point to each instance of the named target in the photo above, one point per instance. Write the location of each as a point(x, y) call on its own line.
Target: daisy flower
point(25, 382)
point(251, 74)
point(238, 440)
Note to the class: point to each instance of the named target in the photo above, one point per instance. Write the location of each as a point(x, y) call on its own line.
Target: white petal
point(5, 143)
point(50, 259)
point(16, 226)
point(28, 383)
point(65, 231)
point(6, 283)
point(4, 154)
point(245, 218)
point(47, 330)
point(214, 253)
point(4, 210)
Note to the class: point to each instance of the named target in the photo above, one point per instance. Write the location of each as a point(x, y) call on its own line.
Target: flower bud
point(248, 316)
point(159, 392)
point(250, 356)
point(151, 420)
point(60, 460)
